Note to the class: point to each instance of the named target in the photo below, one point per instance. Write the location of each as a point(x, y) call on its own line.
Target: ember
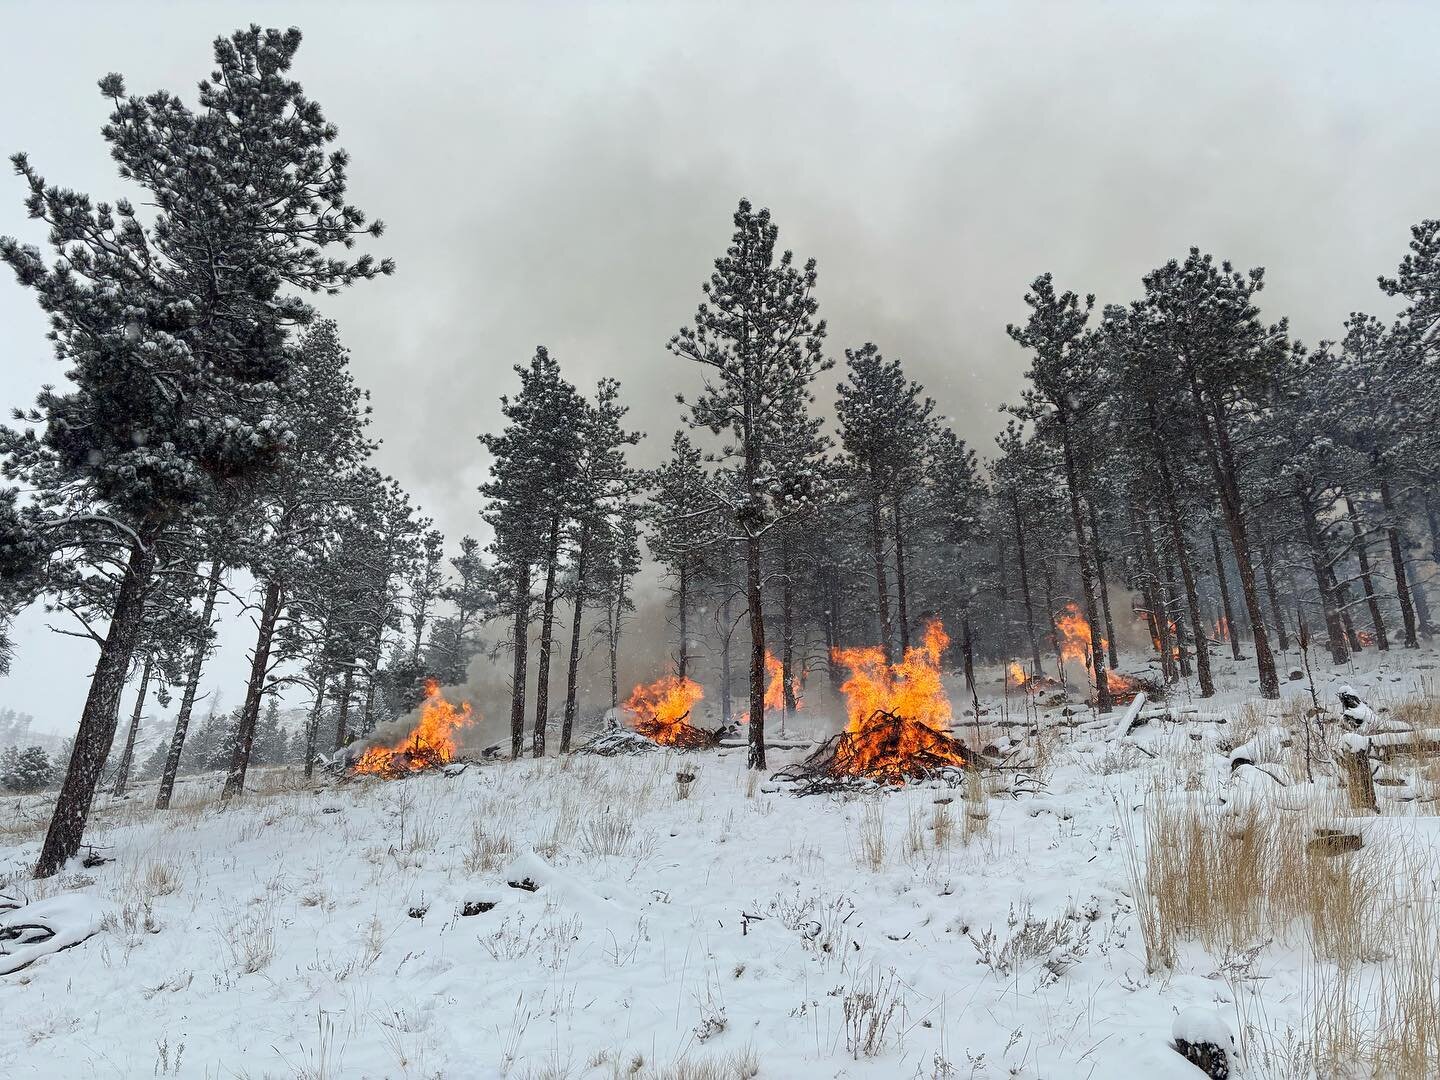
point(661, 709)
point(429, 745)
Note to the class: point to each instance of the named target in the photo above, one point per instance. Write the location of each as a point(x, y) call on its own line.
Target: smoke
point(565, 175)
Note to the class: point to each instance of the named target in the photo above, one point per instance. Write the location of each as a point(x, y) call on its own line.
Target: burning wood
point(1074, 630)
point(885, 749)
point(429, 745)
point(661, 710)
point(1032, 683)
point(898, 716)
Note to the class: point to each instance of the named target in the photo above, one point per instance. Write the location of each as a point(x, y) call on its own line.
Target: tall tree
point(173, 333)
point(1226, 360)
point(1064, 376)
point(759, 342)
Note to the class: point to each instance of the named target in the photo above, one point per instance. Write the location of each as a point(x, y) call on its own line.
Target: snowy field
point(720, 929)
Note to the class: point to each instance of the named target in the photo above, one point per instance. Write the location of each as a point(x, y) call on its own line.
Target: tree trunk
point(1087, 571)
point(1422, 604)
point(98, 719)
point(726, 672)
point(832, 629)
point(787, 632)
point(1182, 636)
point(1334, 631)
point(1267, 564)
point(1004, 592)
point(572, 670)
point(755, 614)
point(615, 642)
point(1226, 475)
point(192, 685)
point(1048, 577)
point(1397, 564)
point(127, 756)
point(520, 641)
point(1197, 634)
point(1025, 584)
point(372, 666)
point(547, 633)
point(342, 714)
point(1155, 597)
point(882, 587)
point(901, 588)
point(254, 691)
point(967, 643)
point(1100, 559)
point(682, 658)
point(1362, 553)
point(312, 729)
point(1232, 630)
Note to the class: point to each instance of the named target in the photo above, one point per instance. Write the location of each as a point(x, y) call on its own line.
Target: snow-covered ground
point(368, 929)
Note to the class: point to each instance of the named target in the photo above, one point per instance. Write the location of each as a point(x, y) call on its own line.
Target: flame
point(660, 709)
point(910, 688)
point(1075, 645)
point(775, 686)
point(430, 744)
point(1222, 629)
point(1365, 637)
point(897, 713)
point(1017, 674)
point(1074, 633)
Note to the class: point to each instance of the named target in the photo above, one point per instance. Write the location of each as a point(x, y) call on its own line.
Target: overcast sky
point(564, 174)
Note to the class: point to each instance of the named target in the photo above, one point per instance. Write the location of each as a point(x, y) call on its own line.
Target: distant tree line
point(1177, 461)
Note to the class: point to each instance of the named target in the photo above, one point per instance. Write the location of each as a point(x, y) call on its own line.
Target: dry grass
point(977, 807)
point(1236, 880)
point(871, 853)
point(488, 849)
point(741, 1065)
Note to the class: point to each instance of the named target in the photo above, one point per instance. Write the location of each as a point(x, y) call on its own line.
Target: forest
point(1182, 487)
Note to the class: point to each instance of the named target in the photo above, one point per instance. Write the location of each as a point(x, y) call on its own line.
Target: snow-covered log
point(29, 932)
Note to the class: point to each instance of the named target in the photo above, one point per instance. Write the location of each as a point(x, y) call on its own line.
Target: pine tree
point(1225, 361)
point(604, 483)
point(1064, 375)
point(759, 342)
point(174, 331)
point(534, 462)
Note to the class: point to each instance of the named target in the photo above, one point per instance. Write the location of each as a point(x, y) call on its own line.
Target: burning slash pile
point(896, 732)
point(429, 745)
point(1031, 682)
point(1074, 631)
point(661, 711)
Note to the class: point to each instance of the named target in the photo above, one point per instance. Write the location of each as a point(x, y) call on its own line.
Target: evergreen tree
point(757, 337)
point(1064, 376)
point(173, 333)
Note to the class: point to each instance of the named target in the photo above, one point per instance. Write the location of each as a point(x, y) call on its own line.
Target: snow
point(1200, 1025)
point(322, 929)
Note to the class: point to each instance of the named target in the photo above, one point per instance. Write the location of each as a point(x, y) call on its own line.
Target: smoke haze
point(565, 175)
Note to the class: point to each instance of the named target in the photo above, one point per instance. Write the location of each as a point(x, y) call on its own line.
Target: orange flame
point(660, 709)
point(1365, 637)
point(1222, 629)
point(775, 686)
point(910, 688)
point(430, 744)
point(915, 741)
point(1074, 631)
point(1017, 674)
